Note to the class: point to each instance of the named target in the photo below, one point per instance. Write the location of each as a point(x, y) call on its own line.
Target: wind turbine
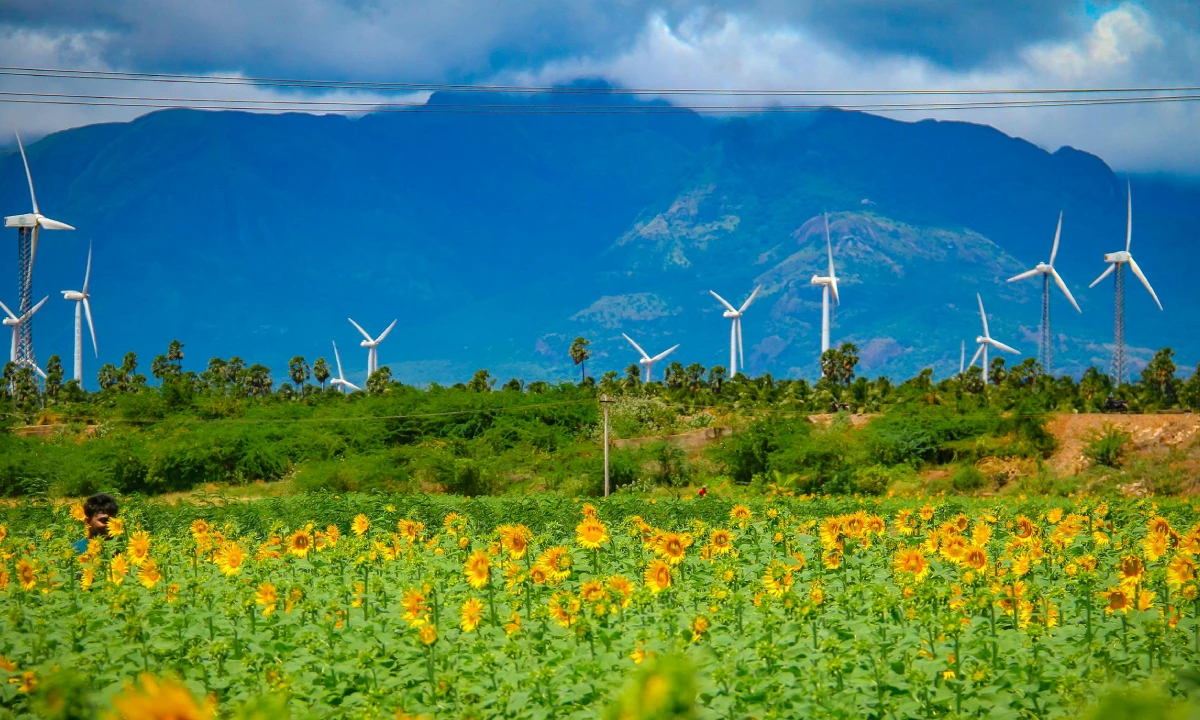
point(340, 380)
point(1047, 271)
point(985, 340)
point(372, 345)
point(648, 362)
point(736, 355)
point(16, 322)
point(829, 286)
point(80, 298)
point(28, 227)
point(962, 358)
point(1117, 262)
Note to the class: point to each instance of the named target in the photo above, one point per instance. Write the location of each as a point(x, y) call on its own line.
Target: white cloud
point(84, 51)
point(1121, 48)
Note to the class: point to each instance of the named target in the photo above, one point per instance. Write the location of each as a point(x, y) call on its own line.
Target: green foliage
point(665, 689)
point(1107, 446)
point(967, 478)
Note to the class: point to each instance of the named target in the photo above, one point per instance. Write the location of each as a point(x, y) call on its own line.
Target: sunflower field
point(372, 606)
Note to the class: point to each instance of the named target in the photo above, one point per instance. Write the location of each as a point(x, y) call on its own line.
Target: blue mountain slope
point(496, 238)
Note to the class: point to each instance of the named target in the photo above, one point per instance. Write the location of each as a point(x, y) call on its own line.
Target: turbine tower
point(829, 286)
point(1117, 262)
point(1047, 271)
point(82, 306)
point(372, 345)
point(647, 362)
point(28, 227)
point(340, 381)
point(984, 341)
point(962, 358)
point(18, 323)
point(737, 358)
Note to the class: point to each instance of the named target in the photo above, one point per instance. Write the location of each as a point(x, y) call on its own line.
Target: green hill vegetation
point(232, 424)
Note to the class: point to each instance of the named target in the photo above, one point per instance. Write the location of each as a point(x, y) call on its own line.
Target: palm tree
point(54, 377)
point(717, 376)
point(378, 383)
point(175, 354)
point(481, 381)
point(320, 371)
point(580, 354)
point(298, 372)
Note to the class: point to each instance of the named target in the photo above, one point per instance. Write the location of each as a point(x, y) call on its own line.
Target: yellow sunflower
point(159, 700)
point(1181, 569)
point(912, 562)
point(149, 575)
point(267, 596)
point(78, 513)
point(139, 548)
point(300, 542)
point(26, 574)
point(427, 634)
point(1132, 570)
point(514, 539)
point(229, 558)
point(472, 613)
point(118, 568)
point(360, 525)
point(658, 576)
point(478, 569)
point(591, 534)
point(1118, 600)
point(721, 542)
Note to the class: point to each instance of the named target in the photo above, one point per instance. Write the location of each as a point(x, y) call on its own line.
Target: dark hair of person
point(100, 502)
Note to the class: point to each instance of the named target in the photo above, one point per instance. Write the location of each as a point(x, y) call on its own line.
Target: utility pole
point(605, 401)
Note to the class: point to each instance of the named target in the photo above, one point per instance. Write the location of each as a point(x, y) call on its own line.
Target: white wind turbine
point(1047, 271)
point(829, 286)
point(962, 358)
point(341, 381)
point(372, 345)
point(15, 322)
point(647, 362)
point(985, 340)
point(82, 306)
point(1117, 262)
point(35, 219)
point(736, 355)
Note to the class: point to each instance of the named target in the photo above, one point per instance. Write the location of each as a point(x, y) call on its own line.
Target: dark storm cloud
point(455, 39)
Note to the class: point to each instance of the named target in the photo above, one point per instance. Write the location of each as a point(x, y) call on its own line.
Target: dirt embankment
point(1149, 435)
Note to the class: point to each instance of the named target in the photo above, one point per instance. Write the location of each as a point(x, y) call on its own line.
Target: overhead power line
point(340, 106)
point(380, 86)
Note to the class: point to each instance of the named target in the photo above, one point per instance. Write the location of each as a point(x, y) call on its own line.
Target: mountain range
point(498, 237)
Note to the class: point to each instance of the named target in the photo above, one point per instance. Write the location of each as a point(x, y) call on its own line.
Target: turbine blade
point(1063, 286)
point(49, 224)
point(87, 310)
point(352, 386)
point(39, 371)
point(663, 354)
point(34, 309)
point(1138, 271)
point(33, 249)
point(982, 314)
point(88, 273)
point(636, 346)
point(1129, 215)
point(338, 359)
point(1106, 273)
point(1057, 234)
point(385, 332)
point(359, 328)
point(1022, 276)
point(28, 175)
point(978, 352)
point(8, 312)
point(829, 247)
point(834, 291)
point(1001, 346)
point(723, 301)
point(750, 299)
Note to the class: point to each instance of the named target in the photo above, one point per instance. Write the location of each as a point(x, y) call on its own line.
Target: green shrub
point(1107, 446)
point(967, 478)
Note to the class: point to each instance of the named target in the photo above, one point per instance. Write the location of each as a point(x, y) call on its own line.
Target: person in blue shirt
point(98, 510)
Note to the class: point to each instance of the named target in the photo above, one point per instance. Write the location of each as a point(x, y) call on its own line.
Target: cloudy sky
point(783, 44)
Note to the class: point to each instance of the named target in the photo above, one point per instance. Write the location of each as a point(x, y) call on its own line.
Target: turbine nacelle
point(73, 295)
point(731, 314)
point(1121, 256)
point(821, 280)
point(30, 220)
